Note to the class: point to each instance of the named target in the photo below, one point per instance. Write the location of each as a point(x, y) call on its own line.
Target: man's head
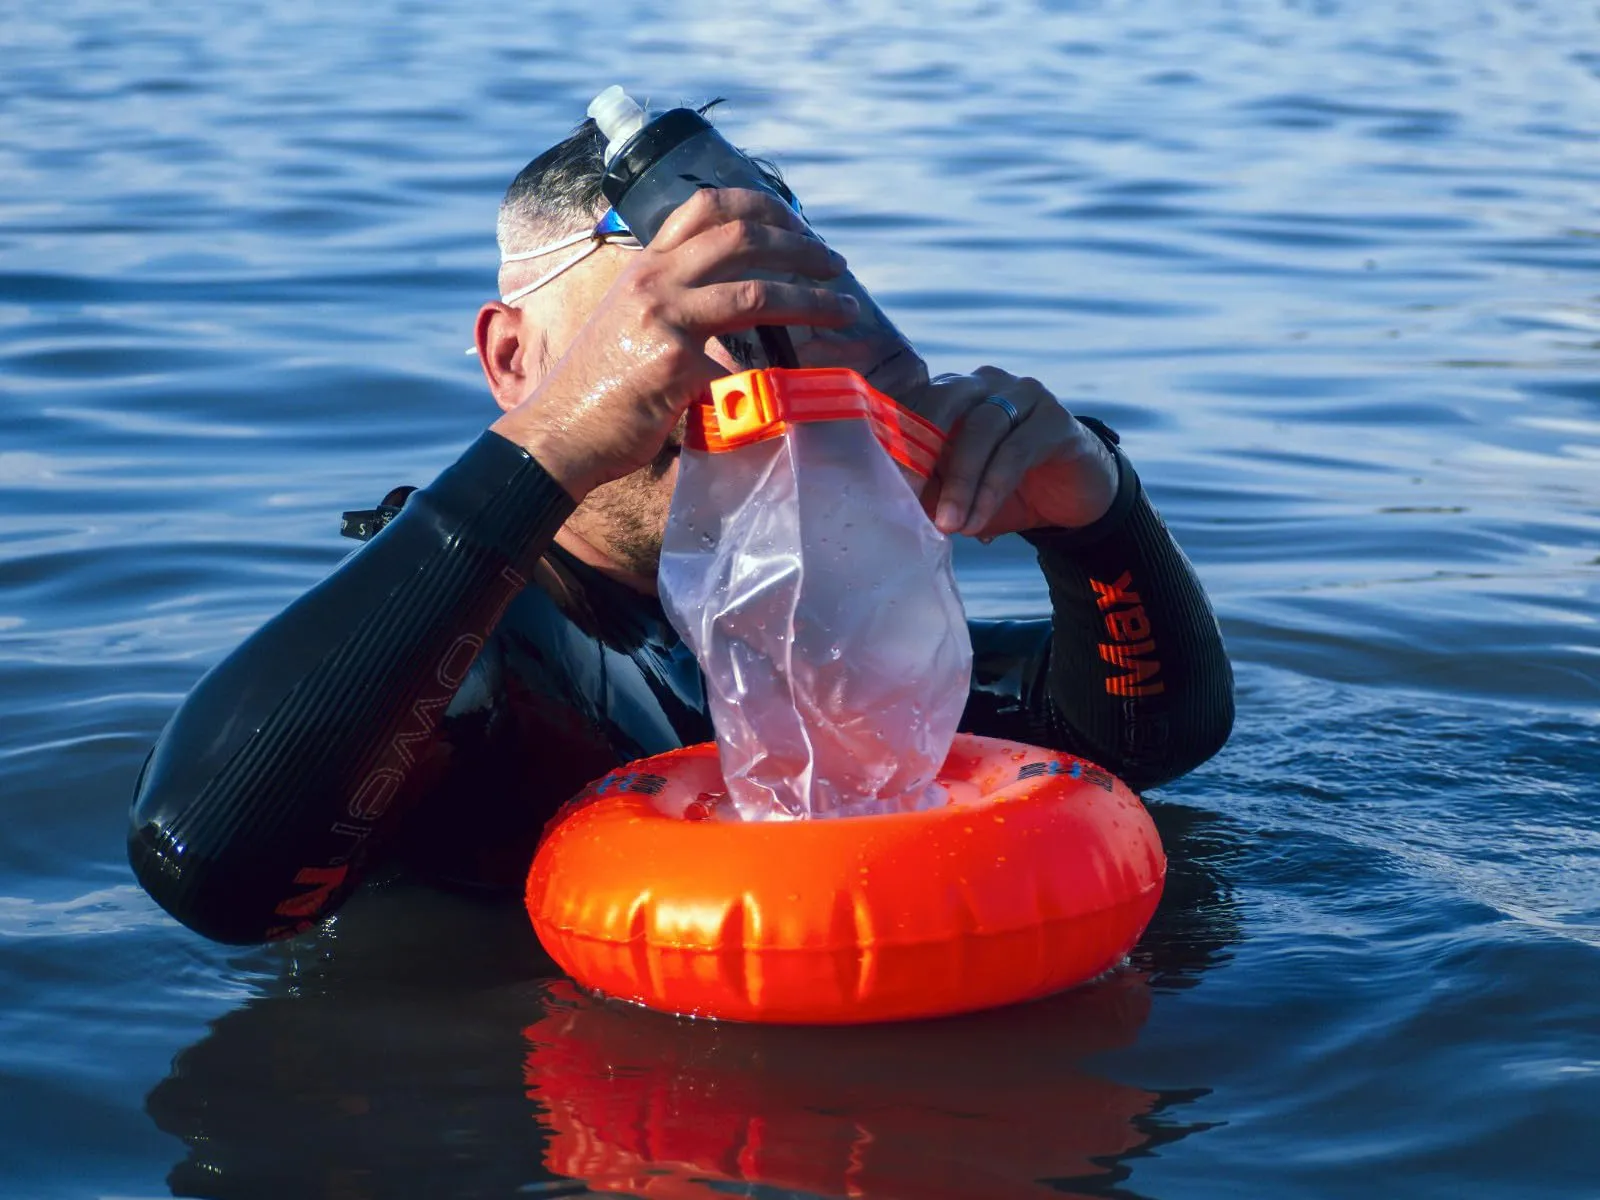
point(552, 203)
point(555, 197)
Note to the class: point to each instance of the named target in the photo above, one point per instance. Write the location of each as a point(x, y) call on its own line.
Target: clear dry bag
point(799, 566)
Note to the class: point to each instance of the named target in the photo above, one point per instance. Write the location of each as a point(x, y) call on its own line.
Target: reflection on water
point(343, 1055)
point(1328, 266)
point(367, 1065)
point(995, 1105)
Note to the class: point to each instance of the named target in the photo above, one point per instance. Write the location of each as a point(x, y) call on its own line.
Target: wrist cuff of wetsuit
point(1109, 522)
point(511, 502)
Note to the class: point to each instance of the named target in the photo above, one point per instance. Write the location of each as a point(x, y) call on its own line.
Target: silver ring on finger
point(1006, 407)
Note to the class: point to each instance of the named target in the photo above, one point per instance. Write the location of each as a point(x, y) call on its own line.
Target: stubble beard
point(630, 514)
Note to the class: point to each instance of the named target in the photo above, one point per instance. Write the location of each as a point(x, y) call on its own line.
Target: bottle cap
point(618, 116)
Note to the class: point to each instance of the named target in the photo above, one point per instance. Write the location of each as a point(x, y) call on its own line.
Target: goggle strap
point(594, 244)
point(550, 248)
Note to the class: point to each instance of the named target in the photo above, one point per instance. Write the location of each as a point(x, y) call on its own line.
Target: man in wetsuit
point(431, 703)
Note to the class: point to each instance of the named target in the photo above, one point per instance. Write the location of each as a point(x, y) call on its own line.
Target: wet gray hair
point(559, 193)
point(556, 194)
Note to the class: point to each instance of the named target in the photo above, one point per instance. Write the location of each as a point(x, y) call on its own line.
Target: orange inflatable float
point(1040, 873)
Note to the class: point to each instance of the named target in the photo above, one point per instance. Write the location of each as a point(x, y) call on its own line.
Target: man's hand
point(992, 479)
point(607, 407)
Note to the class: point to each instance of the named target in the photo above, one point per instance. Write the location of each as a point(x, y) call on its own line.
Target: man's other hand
point(994, 477)
point(606, 408)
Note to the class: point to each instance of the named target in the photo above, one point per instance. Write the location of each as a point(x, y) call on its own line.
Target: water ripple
point(1328, 267)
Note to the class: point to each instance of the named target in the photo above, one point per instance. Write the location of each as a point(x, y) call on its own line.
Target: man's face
point(624, 519)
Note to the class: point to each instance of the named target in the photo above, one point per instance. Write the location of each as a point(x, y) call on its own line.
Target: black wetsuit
point(435, 699)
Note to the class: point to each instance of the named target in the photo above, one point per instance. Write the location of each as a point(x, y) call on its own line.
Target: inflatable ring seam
point(569, 930)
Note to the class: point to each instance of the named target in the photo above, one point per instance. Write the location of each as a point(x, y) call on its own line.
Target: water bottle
point(654, 165)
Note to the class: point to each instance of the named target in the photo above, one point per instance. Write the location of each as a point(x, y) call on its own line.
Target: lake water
point(1330, 267)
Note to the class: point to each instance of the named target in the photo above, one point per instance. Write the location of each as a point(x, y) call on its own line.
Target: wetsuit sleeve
point(258, 806)
point(1130, 671)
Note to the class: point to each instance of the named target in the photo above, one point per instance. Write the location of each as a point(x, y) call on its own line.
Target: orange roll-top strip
point(753, 406)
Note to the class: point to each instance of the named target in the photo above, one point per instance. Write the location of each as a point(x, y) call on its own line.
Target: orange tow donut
point(1041, 873)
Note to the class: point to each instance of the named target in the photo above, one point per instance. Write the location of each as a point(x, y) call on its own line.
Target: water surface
point(1329, 267)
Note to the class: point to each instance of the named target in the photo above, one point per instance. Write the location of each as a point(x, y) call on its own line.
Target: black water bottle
point(654, 165)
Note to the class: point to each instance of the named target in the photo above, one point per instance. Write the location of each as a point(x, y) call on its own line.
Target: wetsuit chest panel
point(558, 697)
point(623, 674)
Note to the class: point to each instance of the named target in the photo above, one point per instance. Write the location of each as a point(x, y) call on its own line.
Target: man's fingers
point(966, 456)
point(1003, 476)
point(997, 380)
point(949, 397)
point(735, 249)
point(710, 207)
point(989, 452)
point(946, 398)
point(734, 307)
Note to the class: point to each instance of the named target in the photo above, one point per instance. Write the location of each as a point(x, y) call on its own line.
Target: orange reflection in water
point(986, 1106)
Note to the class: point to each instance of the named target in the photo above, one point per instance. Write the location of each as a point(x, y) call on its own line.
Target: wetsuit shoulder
point(263, 797)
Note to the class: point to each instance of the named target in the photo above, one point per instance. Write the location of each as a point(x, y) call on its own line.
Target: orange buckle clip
point(753, 406)
point(745, 406)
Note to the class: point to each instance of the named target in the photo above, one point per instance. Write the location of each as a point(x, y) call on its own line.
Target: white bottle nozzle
point(618, 116)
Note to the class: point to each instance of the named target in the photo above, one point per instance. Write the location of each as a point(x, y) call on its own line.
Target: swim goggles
point(610, 230)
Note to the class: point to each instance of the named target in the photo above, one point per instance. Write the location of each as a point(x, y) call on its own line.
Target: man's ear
point(508, 365)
